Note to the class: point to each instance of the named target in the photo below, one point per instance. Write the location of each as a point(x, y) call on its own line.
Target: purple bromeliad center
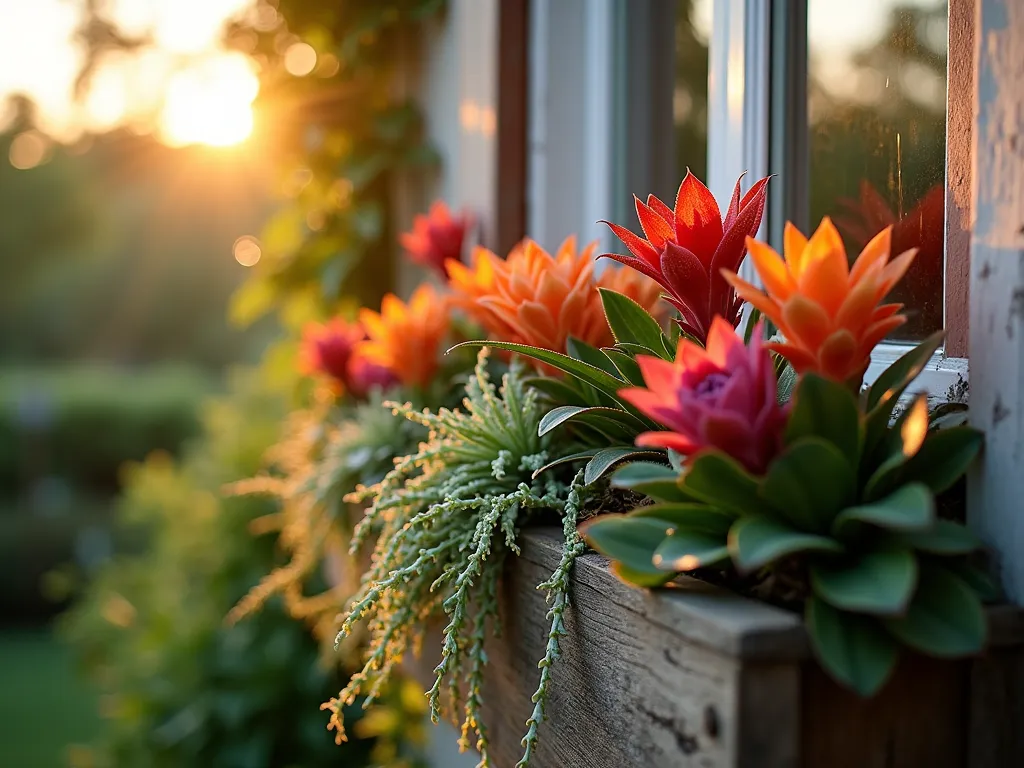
point(710, 385)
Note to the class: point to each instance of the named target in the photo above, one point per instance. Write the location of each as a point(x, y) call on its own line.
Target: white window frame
point(739, 120)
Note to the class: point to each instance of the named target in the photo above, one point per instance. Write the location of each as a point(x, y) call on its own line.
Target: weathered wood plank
point(643, 679)
point(698, 676)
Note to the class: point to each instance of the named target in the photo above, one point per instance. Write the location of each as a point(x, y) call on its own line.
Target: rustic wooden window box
point(697, 676)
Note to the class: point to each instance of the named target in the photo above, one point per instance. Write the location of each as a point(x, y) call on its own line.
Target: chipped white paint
point(996, 486)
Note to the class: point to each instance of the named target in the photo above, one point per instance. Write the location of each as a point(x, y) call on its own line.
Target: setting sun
point(210, 103)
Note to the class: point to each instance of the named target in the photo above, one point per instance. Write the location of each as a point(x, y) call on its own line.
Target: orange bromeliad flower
point(828, 311)
point(538, 299)
point(404, 338)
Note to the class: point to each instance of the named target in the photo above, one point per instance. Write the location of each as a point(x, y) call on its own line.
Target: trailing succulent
point(325, 453)
point(444, 518)
point(843, 519)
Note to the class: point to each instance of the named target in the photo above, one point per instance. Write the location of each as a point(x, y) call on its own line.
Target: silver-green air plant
point(445, 518)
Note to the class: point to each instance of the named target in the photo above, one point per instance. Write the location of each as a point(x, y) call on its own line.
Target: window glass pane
point(690, 95)
point(877, 112)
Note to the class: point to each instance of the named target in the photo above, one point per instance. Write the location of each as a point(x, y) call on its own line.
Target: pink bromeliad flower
point(688, 247)
point(722, 397)
point(365, 374)
point(436, 237)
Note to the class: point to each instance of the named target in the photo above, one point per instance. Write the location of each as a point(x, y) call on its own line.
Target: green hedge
point(82, 422)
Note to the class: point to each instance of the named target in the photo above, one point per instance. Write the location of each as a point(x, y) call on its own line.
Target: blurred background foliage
point(115, 280)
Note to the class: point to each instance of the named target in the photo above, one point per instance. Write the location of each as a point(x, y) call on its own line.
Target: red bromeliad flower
point(722, 397)
point(436, 237)
point(687, 248)
point(326, 349)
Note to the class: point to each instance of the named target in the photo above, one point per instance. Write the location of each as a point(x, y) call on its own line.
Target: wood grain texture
point(698, 676)
point(918, 719)
point(643, 679)
point(959, 133)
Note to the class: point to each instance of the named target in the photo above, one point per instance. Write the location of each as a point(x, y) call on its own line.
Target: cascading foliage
point(444, 519)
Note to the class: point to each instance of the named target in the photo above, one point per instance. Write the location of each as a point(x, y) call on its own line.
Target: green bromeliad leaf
point(655, 480)
point(809, 484)
point(580, 350)
point(565, 413)
point(759, 540)
point(911, 508)
point(944, 457)
point(879, 582)
point(631, 541)
point(605, 459)
point(945, 537)
point(894, 380)
point(945, 619)
point(630, 323)
point(685, 550)
point(854, 649)
point(694, 516)
point(640, 578)
point(625, 365)
point(825, 409)
point(719, 480)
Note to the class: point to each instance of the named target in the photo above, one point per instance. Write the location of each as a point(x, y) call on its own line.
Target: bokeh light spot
point(247, 250)
point(28, 150)
point(299, 59)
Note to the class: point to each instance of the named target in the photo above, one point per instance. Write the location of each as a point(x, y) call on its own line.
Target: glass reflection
point(877, 112)
point(690, 94)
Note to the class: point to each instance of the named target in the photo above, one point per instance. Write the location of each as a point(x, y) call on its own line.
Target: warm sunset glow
point(210, 103)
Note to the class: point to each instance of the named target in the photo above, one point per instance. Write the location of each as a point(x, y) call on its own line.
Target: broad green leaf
point(882, 396)
point(900, 443)
point(638, 578)
point(655, 480)
point(853, 649)
point(629, 540)
point(685, 550)
point(693, 516)
point(568, 459)
point(976, 577)
point(945, 537)
point(597, 378)
point(809, 484)
point(880, 582)
point(894, 380)
point(911, 508)
point(580, 350)
point(944, 457)
point(630, 323)
point(719, 480)
point(618, 430)
point(625, 365)
point(945, 618)
point(822, 408)
point(604, 460)
point(563, 413)
point(758, 540)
